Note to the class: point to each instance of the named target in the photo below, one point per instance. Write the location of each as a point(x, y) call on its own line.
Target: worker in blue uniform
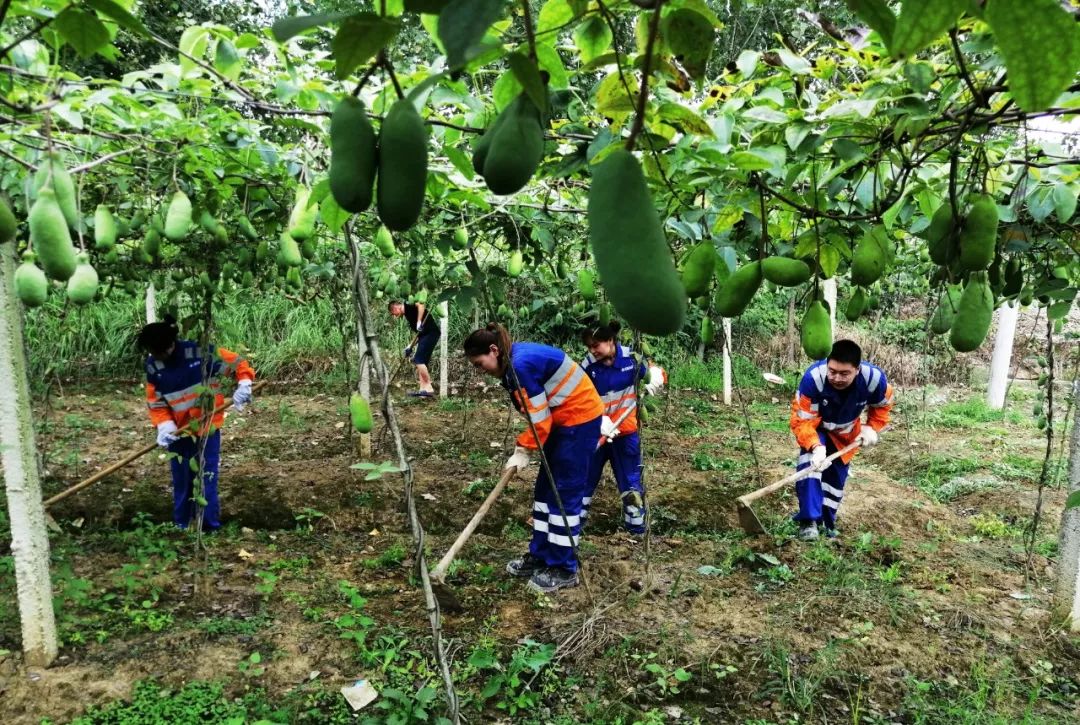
point(615, 373)
point(826, 416)
point(180, 379)
point(564, 412)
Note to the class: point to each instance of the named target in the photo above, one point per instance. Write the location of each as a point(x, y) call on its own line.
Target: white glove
point(242, 395)
point(867, 437)
point(608, 429)
point(656, 380)
point(166, 434)
point(817, 458)
point(520, 460)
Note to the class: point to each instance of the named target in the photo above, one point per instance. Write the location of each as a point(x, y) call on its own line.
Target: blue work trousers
point(184, 465)
point(568, 451)
point(820, 494)
point(624, 453)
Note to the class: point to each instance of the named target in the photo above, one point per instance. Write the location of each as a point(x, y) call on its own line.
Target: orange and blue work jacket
point(174, 386)
point(615, 384)
point(555, 391)
point(818, 405)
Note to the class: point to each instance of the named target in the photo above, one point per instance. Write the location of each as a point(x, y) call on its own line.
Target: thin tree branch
point(529, 32)
point(646, 69)
point(104, 159)
point(42, 24)
point(17, 160)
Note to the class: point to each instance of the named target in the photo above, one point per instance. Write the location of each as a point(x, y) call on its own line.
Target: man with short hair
point(826, 416)
point(426, 329)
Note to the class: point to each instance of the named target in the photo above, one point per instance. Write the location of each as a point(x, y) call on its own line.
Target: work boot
point(808, 532)
point(551, 579)
point(526, 566)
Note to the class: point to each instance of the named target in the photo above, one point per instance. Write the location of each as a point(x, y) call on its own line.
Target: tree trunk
point(29, 538)
point(791, 331)
point(1067, 601)
point(726, 322)
point(444, 349)
point(701, 351)
point(1003, 347)
point(362, 442)
point(828, 290)
point(151, 303)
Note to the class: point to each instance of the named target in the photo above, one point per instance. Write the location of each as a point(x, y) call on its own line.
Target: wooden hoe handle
point(755, 495)
point(130, 457)
point(439, 572)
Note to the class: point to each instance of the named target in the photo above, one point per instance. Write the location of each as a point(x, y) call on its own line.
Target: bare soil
point(912, 593)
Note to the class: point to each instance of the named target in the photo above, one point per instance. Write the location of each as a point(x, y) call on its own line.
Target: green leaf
point(750, 161)
point(529, 76)
point(359, 38)
point(333, 216)
point(555, 14)
point(255, 658)
point(1040, 43)
point(593, 38)
point(611, 96)
point(227, 60)
point(921, 22)
point(504, 91)
point(1064, 202)
point(877, 15)
point(684, 119)
point(829, 260)
point(462, 25)
point(691, 37)
point(122, 17)
point(548, 59)
point(747, 62)
point(1058, 310)
point(82, 30)
point(795, 134)
point(288, 27)
point(193, 43)
point(461, 162)
point(1073, 501)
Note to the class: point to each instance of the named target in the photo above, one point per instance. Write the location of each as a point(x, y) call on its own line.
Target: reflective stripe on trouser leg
point(183, 477)
point(569, 452)
point(626, 462)
point(596, 472)
point(833, 479)
point(809, 489)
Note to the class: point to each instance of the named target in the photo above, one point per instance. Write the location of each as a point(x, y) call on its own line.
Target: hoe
point(748, 520)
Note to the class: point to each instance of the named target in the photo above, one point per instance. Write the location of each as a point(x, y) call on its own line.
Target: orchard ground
point(922, 613)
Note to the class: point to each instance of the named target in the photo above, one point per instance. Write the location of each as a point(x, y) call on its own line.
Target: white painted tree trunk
point(828, 289)
point(1000, 362)
point(701, 351)
point(151, 303)
point(726, 322)
point(29, 538)
point(444, 349)
point(1067, 601)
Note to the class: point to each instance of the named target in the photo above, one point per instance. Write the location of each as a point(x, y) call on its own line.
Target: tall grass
point(279, 336)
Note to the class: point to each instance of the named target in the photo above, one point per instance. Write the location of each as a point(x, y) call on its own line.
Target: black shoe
point(525, 567)
point(553, 578)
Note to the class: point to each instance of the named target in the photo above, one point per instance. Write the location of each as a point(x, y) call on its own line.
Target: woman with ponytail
point(564, 412)
point(615, 373)
point(174, 387)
